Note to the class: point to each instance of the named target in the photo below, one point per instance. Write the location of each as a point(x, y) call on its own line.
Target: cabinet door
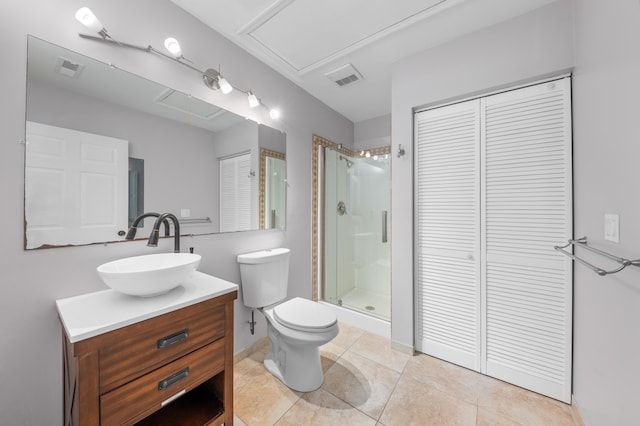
point(527, 208)
point(448, 233)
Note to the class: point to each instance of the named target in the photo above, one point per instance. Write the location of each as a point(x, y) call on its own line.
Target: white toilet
point(296, 328)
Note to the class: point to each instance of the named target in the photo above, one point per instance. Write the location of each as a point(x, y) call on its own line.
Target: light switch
point(185, 212)
point(612, 227)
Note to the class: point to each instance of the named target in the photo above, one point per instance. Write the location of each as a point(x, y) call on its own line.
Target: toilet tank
point(264, 277)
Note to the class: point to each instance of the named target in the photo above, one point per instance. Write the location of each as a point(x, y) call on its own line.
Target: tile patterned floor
point(368, 383)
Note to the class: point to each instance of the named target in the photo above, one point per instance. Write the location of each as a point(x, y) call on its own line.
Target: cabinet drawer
point(142, 347)
point(141, 397)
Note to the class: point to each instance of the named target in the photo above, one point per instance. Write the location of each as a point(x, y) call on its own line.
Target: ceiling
point(316, 43)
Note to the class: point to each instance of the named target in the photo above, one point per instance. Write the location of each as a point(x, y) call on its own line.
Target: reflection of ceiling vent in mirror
point(69, 68)
point(187, 104)
point(345, 75)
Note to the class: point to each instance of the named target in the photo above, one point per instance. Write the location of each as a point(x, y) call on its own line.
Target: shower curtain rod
point(582, 242)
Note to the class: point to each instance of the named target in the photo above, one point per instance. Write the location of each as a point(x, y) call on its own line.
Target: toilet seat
point(304, 315)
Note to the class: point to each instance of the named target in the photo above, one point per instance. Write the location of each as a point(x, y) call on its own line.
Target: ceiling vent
point(345, 75)
point(68, 68)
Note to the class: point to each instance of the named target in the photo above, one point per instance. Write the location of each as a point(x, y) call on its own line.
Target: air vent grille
point(345, 75)
point(68, 68)
point(347, 80)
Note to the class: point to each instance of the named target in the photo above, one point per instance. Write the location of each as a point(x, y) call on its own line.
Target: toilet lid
point(304, 315)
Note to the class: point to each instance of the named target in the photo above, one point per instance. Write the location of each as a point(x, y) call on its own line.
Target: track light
point(253, 101)
point(211, 78)
point(172, 45)
point(225, 87)
point(87, 18)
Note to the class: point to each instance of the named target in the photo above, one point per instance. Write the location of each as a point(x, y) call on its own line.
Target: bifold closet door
point(527, 203)
point(448, 233)
point(493, 196)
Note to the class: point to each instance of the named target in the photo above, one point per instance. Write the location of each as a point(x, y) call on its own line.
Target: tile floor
point(368, 383)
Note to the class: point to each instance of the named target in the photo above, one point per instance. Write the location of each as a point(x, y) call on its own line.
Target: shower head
point(349, 162)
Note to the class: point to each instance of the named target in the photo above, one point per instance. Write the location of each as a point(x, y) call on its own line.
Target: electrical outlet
point(185, 213)
point(612, 227)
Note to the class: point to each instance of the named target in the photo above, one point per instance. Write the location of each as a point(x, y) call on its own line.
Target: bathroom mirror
point(99, 139)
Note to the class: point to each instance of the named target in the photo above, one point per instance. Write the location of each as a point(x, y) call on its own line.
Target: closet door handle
point(384, 226)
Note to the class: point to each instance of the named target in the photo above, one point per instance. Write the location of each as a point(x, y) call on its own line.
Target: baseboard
point(575, 412)
point(255, 347)
point(401, 347)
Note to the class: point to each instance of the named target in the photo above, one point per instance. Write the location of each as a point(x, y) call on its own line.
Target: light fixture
point(367, 154)
point(225, 87)
point(375, 157)
point(211, 78)
point(87, 18)
point(253, 101)
point(274, 114)
point(172, 45)
point(361, 153)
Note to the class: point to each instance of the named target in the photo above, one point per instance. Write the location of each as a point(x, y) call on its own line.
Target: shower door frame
point(317, 205)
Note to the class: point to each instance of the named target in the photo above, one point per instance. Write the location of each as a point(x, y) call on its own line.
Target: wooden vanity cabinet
point(172, 369)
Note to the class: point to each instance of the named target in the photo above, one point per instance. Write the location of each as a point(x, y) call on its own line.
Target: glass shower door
point(356, 253)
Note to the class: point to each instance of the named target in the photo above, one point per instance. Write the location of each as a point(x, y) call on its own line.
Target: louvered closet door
point(448, 233)
point(527, 208)
point(235, 193)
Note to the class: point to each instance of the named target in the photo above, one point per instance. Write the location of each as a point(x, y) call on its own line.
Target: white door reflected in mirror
point(75, 186)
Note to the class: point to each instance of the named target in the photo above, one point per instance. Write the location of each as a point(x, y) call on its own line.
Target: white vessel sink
point(149, 275)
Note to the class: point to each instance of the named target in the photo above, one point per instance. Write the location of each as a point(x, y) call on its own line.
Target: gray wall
point(606, 89)
point(372, 133)
point(31, 362)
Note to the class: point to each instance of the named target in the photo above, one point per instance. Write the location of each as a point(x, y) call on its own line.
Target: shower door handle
point(384, 226)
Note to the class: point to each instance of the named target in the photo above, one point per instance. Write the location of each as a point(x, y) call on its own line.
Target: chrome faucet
point(131, 234)
point(153, 238)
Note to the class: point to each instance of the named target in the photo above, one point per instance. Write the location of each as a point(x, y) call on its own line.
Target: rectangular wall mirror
point(103, 144)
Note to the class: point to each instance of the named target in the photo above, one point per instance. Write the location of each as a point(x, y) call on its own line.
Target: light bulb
point(375, 157)
point(225, 87)
point(172, 45)
point(361, 153)
point(274, 113)
point(367, 154)
point(86, 17)
point(253, 101)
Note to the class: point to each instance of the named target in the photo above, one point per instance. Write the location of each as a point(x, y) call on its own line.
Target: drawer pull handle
point(173, 379)
point(173, 338)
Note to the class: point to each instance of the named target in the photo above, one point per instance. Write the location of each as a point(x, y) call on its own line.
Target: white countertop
point(92, 314)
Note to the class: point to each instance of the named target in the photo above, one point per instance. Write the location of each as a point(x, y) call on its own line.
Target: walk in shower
point(353, 216)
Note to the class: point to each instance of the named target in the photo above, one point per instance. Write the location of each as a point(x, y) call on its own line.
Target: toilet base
point(297, 366)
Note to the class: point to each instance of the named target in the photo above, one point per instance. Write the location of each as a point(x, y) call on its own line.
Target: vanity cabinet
point(167, 366)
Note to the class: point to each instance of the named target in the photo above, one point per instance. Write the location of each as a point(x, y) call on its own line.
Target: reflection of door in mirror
point(272, 189)
point(136, 189)
point(235, 192)
point(75, 186)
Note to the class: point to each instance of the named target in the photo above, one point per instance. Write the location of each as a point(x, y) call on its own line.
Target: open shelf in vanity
point(150, 361)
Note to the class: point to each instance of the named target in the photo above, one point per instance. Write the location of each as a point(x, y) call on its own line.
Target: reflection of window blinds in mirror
point(235, 193)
